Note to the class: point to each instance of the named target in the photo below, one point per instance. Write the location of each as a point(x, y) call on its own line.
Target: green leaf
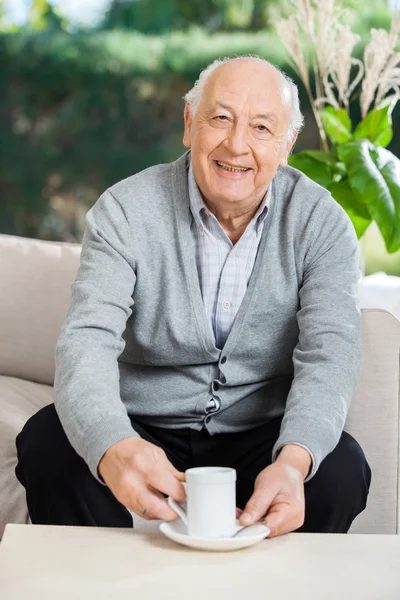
point(376, 127)
point(329, 158)
point(356, 210)
point(317, 170)
point(337, 125)
point(374, 174)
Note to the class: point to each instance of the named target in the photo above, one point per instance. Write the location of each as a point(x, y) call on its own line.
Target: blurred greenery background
point(91, 92)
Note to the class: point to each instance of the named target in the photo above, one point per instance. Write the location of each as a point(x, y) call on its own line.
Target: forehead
point(258, 88)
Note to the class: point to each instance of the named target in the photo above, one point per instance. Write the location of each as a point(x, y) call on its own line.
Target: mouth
point(230, 168)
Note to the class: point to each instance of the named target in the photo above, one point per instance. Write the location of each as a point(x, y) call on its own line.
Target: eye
point(221, 117)
point(262, 128)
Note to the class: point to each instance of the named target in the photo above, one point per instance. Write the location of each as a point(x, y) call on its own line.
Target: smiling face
point(241, 123)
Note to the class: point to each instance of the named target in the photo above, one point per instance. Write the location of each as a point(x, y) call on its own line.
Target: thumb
point(274, 522)
point(257, 506)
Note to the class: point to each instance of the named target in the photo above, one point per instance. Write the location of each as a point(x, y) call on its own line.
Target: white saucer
point(177, 531)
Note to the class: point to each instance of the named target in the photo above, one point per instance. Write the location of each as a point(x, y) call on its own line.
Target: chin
point(228, 199)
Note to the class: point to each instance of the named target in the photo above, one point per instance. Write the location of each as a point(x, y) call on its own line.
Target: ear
point(188, 124)
point(290, 142)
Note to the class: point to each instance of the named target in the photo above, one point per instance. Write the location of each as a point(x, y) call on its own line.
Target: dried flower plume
point(318, 22)
point(382, 74)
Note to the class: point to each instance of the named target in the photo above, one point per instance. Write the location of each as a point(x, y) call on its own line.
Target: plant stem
point(319, 86)
point(317, 116)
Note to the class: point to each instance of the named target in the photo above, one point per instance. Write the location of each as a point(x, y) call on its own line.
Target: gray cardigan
point(136, 340)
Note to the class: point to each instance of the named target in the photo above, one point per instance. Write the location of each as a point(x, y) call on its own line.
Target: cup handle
point(178, 509)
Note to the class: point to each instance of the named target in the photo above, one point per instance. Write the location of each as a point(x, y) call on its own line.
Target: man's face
point(242, 122)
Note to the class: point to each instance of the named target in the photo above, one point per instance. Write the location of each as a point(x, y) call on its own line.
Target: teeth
point(232, 169)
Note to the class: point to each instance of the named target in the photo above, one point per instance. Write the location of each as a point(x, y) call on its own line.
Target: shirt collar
point(199, 209)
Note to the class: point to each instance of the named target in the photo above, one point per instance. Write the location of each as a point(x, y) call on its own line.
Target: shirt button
point(223, 360)
point(210, 406)
point(227, 304)
point(207, 419)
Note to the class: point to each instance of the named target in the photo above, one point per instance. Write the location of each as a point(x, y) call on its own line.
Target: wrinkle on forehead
point(239, 80)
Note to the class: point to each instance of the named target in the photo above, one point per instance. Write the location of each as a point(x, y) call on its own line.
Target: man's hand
point(138, 473)
point(279, 493)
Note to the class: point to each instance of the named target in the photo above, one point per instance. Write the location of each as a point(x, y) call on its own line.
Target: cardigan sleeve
point(86, 389)
point(327, 357)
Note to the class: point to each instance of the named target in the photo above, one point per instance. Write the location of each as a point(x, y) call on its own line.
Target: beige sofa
point(35, 279)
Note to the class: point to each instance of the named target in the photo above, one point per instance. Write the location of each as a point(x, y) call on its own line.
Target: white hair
point(194, 95)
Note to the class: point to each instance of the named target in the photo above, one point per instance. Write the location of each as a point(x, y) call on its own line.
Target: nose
point(237, 140)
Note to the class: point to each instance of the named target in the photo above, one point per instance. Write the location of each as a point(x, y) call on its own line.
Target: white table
point(57, 563)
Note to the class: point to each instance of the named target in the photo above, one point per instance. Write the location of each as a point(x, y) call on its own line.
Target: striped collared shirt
point(224, 269)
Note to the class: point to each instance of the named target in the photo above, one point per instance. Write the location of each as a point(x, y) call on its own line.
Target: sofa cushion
point(19, 400)
point(36, 278)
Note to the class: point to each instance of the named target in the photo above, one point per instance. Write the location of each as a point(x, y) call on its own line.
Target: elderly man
point(213, 321)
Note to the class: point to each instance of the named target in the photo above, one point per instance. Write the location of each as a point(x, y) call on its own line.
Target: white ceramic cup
point(211, 502)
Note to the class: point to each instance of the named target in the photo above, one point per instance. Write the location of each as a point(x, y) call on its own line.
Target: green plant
point(353, 162)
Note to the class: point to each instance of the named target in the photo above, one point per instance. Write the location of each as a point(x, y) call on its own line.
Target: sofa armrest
point(373, 420)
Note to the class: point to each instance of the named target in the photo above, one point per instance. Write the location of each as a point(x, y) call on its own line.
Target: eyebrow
point(268, 116)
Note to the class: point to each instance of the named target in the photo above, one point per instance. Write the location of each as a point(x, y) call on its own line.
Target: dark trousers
point(60, 489)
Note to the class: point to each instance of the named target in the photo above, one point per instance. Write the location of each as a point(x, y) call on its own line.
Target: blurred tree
point(260, 14)
point(153, 16)
point(5, 25)
point(156, 16)
point(42, 15)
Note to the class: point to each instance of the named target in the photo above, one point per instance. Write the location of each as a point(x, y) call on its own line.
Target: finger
point(168, 484)
point(258, 505)
point(179, 475)
point(155, 505)
point(141, 507)
point(281, 519)
point(238, 512)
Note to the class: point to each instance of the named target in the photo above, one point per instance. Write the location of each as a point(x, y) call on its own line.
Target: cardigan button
point(223, 360)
